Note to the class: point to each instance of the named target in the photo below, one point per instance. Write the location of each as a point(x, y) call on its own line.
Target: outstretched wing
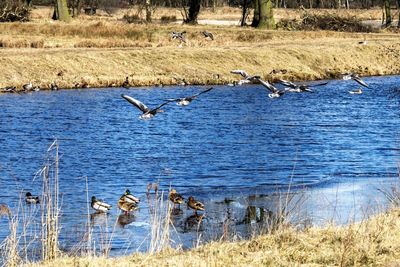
point(317, 84)
point(287, 83)
point(202, 92)
point(269, 86)
point(136, 103)
point(358, 79)
point(241, 72)
point(166, 102)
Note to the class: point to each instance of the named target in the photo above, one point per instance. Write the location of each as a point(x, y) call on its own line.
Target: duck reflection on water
point(99, 219)
point(125, 219)
point(194, 223)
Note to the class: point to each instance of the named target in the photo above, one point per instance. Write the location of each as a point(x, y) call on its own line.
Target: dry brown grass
point(102, 51)
point(374, 242)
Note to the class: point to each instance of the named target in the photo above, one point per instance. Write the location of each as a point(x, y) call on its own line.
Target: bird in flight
point(298, 88)
point(275, 92)
point(147, 112)
point(355, 77)
point(184, 101)
point(208, 35)
point(246, 77)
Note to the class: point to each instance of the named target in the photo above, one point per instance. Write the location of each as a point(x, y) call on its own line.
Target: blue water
point(233, 142)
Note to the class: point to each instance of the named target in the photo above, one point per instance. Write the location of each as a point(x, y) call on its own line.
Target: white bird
point(275, 92)
point(355, 77)
point(184, 101)
point(356, 92)
point(298, 88)
point(27, 87)
point(147, 112)
point(99, 205)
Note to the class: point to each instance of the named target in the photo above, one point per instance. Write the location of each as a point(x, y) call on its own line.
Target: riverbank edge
point(374, 241)
point(105, 68)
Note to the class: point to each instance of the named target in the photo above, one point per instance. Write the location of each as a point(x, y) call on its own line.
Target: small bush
point(11, 11)
point(329, 22)
point(168, 19)
point(132, 18)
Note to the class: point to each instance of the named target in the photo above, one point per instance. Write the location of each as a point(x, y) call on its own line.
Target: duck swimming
point(184, 101)
point(99, 205)
point(147, 112)
point(30, 199)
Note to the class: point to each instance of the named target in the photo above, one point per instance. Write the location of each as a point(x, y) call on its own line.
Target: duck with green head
point(129, 198)
point(125, 205)
point(100, 206)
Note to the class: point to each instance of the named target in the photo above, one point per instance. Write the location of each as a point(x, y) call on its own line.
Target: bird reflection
point(125, 219)
point(194, 222)
point(98, 218)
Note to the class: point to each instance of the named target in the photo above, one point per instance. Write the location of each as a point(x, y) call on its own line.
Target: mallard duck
point(194, 204)
point(31, 199)
point(128, 197)
point(125, 205)
point(147, 112)
point(99, 205)
point(175, 197)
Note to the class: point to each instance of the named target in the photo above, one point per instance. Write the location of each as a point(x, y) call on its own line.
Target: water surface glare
point(232, 142)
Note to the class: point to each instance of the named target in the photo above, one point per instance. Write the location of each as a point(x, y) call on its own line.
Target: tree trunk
point(388, 16)
point(398, 10)
point(194, 10)
point(256, 16)
point(61, 11)
point(266, 14)
point(148, 10)
point(244, 13)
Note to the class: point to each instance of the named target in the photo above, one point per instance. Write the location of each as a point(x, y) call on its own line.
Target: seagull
point(275, 92)
point(246, 76)
point(354, 76)
point(184, 101)
point(298, 88)
point(208, 34)
point(147, 112)
point(179, 36)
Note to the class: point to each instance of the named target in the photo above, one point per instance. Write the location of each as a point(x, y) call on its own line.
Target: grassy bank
point(374, 242)
point(68, 58)
point(101, 51)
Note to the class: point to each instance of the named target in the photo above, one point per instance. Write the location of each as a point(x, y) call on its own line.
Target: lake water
point(233, 143)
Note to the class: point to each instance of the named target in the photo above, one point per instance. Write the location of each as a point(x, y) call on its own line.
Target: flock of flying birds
point(148, 113)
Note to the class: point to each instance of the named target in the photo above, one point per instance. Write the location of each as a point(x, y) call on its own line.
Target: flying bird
point(355, 77)
point(298, 88)
point(184, 101)
point(246, 77)
point(275, 92)
point(147, 112)
point(356, 92)
point(208, 35)
point(179, 36)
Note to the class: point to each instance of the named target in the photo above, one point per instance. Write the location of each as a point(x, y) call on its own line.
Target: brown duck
point(194, 204)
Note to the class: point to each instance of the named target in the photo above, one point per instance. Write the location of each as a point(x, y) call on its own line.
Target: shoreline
point(297, 60)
